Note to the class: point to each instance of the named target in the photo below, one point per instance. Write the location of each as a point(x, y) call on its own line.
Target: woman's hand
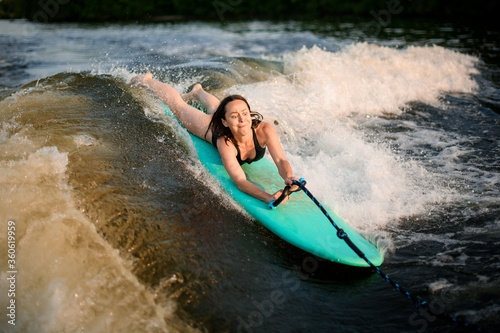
point(289, 182)
point(276, 195)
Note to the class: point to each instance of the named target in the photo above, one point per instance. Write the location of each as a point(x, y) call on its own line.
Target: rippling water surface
point(120, 229)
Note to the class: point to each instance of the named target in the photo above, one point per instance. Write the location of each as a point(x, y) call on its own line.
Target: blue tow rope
point(417, 302)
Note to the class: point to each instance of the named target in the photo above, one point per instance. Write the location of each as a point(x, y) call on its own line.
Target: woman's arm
point(228, 153)
point(277, 154)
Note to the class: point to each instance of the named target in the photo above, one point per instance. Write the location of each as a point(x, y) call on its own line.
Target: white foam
point(85, 140)
point(440, 285)
point(369, 79)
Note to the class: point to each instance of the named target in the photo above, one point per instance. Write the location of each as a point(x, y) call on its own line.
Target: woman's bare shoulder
point(266, 130)
point(224, 145)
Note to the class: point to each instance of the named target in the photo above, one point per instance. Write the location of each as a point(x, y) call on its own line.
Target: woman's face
point(237, 117)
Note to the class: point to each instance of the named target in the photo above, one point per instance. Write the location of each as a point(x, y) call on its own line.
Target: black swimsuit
point(259, 151)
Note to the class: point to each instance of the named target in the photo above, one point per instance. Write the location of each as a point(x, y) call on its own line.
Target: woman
point(236, 132)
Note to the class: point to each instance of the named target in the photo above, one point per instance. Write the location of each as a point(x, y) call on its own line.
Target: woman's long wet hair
point(219, 129)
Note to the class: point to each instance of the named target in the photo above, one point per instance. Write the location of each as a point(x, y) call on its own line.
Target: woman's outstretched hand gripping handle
point(275, 203)
point(286, 191)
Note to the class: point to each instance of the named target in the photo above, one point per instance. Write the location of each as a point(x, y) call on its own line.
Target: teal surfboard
point(298, 221)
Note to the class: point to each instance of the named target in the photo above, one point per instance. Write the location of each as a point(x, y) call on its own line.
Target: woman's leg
point(208, 100)
point(191, 118)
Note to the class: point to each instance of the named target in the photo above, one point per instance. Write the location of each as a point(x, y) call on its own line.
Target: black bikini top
point(259, 151)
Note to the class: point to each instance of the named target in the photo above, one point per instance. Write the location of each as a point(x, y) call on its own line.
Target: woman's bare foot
point(141, 79)
point(193, 94)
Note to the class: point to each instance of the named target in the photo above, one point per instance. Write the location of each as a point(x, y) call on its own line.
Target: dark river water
point(395, 125)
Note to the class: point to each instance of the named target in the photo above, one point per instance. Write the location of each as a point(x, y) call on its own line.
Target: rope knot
point(341, 233)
